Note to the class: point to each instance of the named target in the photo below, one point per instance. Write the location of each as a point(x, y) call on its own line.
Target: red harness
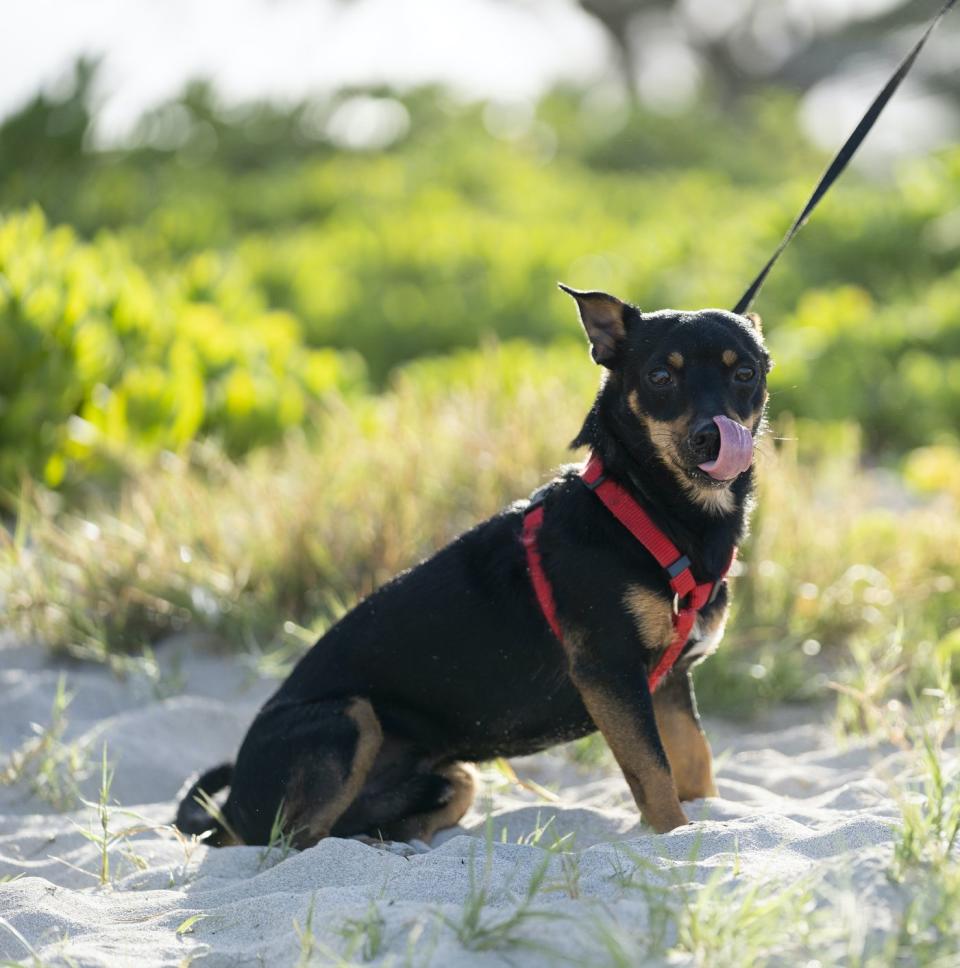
point(689, 596)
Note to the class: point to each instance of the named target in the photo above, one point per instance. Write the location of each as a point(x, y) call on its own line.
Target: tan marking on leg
point(649, 781)
point(676, 360)
point(688, 751)
point(369, 739)
point(423, 826)
point(729, 357)
point(651, 614)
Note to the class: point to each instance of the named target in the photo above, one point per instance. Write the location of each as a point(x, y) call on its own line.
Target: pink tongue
point(736, 450)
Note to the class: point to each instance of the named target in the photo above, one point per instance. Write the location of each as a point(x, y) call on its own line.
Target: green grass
point(928, 838)
point(51, 767)
point(279, 844)
point(363, 936)
point(478, 927)
point(926, 858)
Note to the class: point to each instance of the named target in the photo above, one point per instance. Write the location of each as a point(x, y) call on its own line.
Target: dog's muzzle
point(734, 449)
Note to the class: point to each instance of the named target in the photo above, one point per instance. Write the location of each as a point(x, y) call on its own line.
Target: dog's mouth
point(735, 453)
point(701, 478)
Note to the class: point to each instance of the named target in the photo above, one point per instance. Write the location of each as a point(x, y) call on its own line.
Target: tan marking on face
point(651, 614)
point(676, 360)
point(729, 357)
point(664, 435)
point(633, 402)
point(688, 751)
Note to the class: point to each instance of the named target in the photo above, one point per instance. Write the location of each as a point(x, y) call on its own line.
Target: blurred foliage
point(217, 274)
point(98, 358)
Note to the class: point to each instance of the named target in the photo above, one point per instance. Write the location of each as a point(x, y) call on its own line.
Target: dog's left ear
point(603, 317)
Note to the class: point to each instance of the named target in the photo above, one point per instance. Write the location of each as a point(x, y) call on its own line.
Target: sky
point(509, 50)
point(285, 48)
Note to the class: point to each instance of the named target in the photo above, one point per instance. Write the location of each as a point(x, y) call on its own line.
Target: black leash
point(843, 157)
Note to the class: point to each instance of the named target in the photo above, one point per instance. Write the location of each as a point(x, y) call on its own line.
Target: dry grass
point(850, 582)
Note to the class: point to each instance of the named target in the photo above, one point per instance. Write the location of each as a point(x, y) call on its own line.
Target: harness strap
point(541, 584)
point(689, 595)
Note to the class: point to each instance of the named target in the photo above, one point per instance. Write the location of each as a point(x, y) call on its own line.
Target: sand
point(794, 804)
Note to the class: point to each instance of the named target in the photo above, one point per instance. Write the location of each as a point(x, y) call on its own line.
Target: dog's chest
point(705, 636)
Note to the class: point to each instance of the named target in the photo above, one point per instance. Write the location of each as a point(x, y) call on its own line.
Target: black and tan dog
point(454, 661)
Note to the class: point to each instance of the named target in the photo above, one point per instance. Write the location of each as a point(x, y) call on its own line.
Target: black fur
point(455, 657)
point(192, 817)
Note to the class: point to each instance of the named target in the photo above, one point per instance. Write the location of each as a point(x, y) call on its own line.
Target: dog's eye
point(660, 377)
point(744, 374)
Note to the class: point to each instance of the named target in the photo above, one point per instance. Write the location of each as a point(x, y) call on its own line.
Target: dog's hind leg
point(453, 801)
point(688, 751)
point(409, 804)
point(305, 762)
point(317, 811)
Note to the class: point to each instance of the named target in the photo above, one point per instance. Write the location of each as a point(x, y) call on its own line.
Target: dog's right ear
point(604, 318)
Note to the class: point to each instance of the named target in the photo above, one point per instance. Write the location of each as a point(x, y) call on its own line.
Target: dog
point(541, 625)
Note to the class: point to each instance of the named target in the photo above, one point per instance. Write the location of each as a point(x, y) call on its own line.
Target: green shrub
point(99, 358)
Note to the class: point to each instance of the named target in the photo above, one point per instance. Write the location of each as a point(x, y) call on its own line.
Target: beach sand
point(795, 806)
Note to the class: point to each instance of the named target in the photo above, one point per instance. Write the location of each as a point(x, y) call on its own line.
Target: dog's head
point(688, 389)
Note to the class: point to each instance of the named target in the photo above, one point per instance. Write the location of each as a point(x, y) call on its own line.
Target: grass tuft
point(279, 845)
point(478, 928)
point(364, 935)
point(51, 767)
point(103, 835)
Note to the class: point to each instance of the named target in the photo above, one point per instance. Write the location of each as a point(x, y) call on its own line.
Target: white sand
point(792, 803)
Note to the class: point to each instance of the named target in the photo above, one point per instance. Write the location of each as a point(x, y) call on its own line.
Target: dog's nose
point(705, 441)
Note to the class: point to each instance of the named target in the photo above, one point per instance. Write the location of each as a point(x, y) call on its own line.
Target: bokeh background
point(278, 306)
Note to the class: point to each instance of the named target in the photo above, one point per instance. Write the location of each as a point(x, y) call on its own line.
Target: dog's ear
point(604, 318)
point(756, 322)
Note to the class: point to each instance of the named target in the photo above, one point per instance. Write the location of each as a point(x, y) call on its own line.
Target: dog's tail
point(194, 815)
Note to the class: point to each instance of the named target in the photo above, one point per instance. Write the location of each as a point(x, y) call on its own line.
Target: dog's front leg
point(688, 750)
point(620, 704)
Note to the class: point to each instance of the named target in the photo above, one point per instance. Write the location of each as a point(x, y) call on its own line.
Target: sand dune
point(793, 806)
